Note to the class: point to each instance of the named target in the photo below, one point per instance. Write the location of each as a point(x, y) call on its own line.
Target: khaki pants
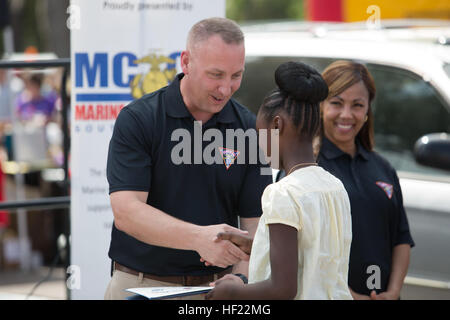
point(122, 280)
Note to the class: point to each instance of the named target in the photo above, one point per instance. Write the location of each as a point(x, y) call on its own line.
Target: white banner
point(119, 50)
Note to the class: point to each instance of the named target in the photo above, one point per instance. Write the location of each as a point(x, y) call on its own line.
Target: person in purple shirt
point(32, 102)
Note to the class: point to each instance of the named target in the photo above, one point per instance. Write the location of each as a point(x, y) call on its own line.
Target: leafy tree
point(244, 10)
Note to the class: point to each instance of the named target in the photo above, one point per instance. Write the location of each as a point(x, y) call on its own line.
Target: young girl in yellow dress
point(302, 245)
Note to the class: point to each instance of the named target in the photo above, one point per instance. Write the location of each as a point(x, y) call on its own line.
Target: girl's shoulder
point(313, 179)
point(278, 191)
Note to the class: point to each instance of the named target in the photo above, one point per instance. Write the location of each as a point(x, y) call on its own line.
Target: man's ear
point(184, 61)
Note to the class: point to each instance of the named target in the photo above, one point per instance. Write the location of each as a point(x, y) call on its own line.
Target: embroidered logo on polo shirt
point(387, 188)
point(228, 156)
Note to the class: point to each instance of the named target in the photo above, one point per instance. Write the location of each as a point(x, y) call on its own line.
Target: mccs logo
point(105, 83)
point(95, 73)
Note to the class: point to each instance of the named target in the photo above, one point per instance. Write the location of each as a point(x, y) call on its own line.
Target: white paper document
point(168, 292)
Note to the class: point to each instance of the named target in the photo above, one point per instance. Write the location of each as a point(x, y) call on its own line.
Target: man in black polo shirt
point(167, 211)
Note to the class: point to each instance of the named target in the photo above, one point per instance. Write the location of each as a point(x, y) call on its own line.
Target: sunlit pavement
point(18, 285)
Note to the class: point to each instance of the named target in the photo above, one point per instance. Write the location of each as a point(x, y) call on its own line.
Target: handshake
point(228, 246)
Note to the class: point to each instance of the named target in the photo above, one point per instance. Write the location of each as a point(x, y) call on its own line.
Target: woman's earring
point(365, 119)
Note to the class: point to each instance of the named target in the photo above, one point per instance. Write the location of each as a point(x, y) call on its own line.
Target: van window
point(405, 107)
point(259, 79)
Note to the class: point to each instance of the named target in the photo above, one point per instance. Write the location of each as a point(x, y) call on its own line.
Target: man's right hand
point(218, 252)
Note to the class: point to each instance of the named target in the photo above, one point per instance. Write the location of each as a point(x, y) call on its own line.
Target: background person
point(166, 216)
point(302, 244)
point(32, 102)
point(381, 236)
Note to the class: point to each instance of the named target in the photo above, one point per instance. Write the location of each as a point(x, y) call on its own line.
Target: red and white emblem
point(228, 156)
point(387, 188)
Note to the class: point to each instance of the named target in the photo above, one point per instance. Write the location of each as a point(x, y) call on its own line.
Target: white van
point(410, 62)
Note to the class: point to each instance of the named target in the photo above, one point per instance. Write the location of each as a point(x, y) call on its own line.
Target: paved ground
point(17, 285)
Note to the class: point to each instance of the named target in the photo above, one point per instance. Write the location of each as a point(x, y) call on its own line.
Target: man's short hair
point(228, 30)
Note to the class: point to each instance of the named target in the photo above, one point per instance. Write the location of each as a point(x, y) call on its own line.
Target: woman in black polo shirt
point(380, 250)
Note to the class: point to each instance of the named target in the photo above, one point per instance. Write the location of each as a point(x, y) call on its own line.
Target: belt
point(181, 280)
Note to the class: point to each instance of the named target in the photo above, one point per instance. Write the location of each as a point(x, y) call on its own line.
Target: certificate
point(153, 293)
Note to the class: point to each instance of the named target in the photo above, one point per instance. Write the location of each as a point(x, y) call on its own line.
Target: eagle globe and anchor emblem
point(155, 78)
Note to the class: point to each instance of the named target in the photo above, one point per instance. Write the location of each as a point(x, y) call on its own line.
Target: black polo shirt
point(379, 221)
point(140, 159)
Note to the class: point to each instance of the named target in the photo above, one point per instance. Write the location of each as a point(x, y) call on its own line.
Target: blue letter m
point(100, 62)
